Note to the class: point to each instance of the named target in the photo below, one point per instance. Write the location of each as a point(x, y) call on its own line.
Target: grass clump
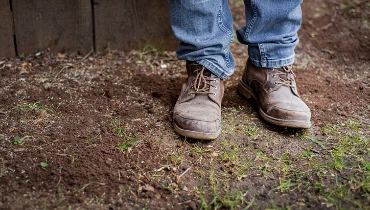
point(129, 141)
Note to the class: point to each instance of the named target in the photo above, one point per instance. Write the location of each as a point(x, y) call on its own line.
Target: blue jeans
point(205, 31)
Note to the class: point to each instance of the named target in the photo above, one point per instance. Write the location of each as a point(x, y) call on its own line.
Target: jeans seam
point(223, 27)
point(262, 52)
point(227, 57)
point(248, 30)
point(227, 31)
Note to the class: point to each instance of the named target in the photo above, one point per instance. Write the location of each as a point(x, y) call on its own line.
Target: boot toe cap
point(197, 125)
point(298, 116)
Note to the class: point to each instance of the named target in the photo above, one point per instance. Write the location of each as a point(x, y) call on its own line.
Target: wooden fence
point(28, 26)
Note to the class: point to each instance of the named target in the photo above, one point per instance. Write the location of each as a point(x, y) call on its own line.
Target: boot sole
point(247, 92)
point(195, 134)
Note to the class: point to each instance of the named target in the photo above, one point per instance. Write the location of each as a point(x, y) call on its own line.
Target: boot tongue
point(284, 76)
point(207, 73)
point(286, 73)
point(289, 76)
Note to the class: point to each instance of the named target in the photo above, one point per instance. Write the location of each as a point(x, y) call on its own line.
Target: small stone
point(108, 162)
point(192, 205)
point(343, 113)
point(258, 138)
point(148, 188)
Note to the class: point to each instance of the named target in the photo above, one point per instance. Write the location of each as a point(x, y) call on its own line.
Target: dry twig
point(68, 66)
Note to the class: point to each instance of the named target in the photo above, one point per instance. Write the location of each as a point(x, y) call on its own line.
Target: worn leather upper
point(198, 107)
point(276, 91)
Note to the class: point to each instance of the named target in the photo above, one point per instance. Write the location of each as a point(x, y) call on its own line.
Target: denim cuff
point(214, 69)
point(270, 55)
point(273, 63)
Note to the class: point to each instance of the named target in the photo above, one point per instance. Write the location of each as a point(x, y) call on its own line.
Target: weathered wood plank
point(60, 25)
point(124, 25)
point(6, 30)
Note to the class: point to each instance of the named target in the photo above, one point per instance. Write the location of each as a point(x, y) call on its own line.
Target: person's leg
point(271, 36)
point(271, 31)
point(204, 28)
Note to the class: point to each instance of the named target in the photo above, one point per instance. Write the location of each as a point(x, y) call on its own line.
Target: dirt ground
point(95, 132)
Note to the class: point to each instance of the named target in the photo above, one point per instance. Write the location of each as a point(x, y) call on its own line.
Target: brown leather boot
point(275, 91)
point(197, 113)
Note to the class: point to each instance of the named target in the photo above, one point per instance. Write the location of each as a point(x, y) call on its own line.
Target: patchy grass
point(333, 168)
point(128, 141)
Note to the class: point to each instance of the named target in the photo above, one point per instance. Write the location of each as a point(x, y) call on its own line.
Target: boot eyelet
point(214, 94)
point(215, 88)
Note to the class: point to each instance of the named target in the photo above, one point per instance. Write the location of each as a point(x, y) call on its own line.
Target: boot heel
point(243, 91)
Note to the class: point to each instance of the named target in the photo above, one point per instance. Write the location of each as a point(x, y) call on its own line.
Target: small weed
point(285, 162)
point(260, 156)
point(150, 48)
point(229, 156)
point(176, 159)
point(285, 185)
point(222, 196)
point(17, 140)
point(229, 200)
point(354, 125)
point(345, 6)
point(330, 129)
point(30, 107)
point(116, 124)
point(307, 154)
point(365, 165)
point(314, 140)
point(199, 151)
point(33, 111)
point(198, 172)
point(224, 143)
point(128, 141)
point(337, 156)
point(200, 192)
point(250, 128)
point(43, 164)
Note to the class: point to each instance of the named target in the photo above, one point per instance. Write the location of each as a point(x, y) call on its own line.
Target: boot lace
point(286, 76)
point(202, 82)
